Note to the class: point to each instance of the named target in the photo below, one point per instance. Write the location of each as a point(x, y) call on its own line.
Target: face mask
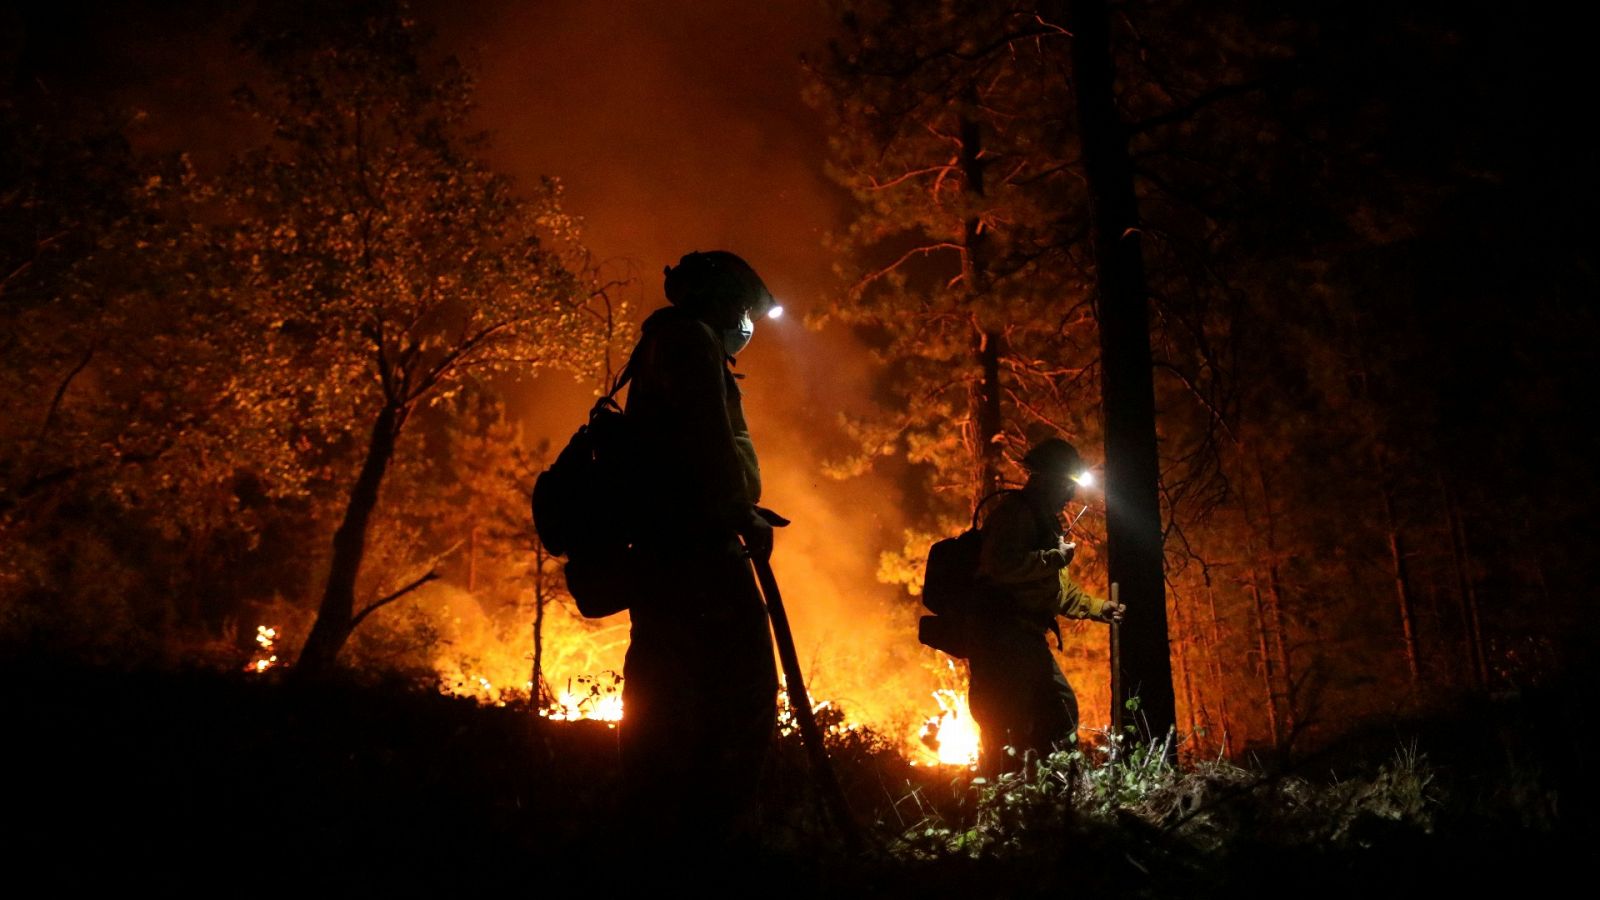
point(738, 337)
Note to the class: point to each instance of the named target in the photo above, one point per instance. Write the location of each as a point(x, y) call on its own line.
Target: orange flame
point(597, 697)
point(266, 637)
point(788, 724)
point(951, 738)
point(489, 657)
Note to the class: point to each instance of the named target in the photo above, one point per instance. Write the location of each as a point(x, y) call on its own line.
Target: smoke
point(679, 127)
point(674, 127)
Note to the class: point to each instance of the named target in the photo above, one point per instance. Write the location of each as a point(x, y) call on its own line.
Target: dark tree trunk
point(336, 615)
point(1133, 504)
point(990, 421)
point(1402, 577)
point(1466, 591)
point(986, 413)
point(538, 693)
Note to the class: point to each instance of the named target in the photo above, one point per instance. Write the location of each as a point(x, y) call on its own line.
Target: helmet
point(717, 284)
point(1053, 456)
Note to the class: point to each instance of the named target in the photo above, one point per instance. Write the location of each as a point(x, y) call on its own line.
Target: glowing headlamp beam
point(1084, 479)
point(775, 313)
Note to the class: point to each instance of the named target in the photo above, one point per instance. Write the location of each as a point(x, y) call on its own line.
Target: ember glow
point(951, 738)
point(918, 699)
point(596, 697)
point(266, 656)
point(788, 724)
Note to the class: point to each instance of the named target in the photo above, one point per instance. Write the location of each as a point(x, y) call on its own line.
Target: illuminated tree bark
point(336, 613)
point(537, 694)
point(1215, 652)
point(1272, 608)
point(1269, 681)
point(1133, 506)
point(1183, 635)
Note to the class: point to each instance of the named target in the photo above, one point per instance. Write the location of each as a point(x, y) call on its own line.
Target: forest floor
point(232, 785)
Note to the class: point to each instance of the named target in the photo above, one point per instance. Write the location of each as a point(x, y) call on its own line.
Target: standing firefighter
point(699, 685)
point(1018, 695)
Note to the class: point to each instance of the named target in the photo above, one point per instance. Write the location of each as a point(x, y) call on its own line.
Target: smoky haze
point(679, 127)
point(674, 127)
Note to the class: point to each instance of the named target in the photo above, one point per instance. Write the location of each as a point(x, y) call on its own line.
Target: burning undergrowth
point(447, 639)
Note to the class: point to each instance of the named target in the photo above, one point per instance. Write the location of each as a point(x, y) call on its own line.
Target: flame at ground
point(491, 662)
point(491, 665)
point(484, 651)
point(831, 719)
point(951, 738)
point(267, 656)
point(596, 697)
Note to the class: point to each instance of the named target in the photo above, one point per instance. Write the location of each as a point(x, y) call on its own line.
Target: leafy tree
point(962, 270)
point(1307, 189)
point(383, 266)
point(964, 141)
point(119, 445)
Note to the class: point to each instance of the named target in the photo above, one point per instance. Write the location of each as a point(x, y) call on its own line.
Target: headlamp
point(1084, 478)
point(776, 312)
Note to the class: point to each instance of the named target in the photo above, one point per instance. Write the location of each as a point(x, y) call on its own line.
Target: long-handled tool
point(1118, 715)
point(799, 701)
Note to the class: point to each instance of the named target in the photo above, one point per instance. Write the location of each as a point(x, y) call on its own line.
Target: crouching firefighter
point(699, 684)
point(1017, 692)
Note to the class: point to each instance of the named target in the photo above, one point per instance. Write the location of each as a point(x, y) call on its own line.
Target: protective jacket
point(699, 476)
point(1021, 571)
point(699, 684)
point(1017, 692)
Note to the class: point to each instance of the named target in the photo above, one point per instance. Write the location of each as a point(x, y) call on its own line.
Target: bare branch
point(941, 169)
point(61, 391)
point(385, 601)
point(1216, 414)
point(924, 250)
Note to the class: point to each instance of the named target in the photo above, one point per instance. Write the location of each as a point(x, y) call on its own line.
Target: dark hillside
point(200, 782)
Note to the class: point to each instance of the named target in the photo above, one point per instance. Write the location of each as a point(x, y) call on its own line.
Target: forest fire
point(299, 299)
point(595, 697)
point(481, 650)
point(951, 738)
point(583, 683)
point(829, 715)
point(266, 656)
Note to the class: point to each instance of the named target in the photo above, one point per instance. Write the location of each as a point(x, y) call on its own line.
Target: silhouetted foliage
point(1339, 360)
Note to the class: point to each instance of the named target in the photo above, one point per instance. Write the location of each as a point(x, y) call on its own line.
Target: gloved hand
point(1111, 611)
point(757, 535)
point(1083, 606)
point(1060, 555)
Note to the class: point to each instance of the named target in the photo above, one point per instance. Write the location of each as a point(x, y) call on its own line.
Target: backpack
point(950, 587)
point(950, 581)
point(580, 508)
